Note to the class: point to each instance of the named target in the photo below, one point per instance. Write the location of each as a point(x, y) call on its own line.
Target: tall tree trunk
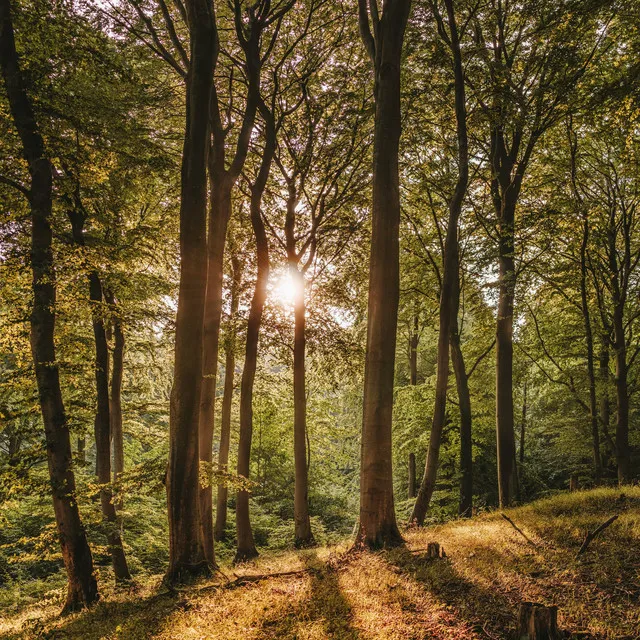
point(413, 351)
point(115, 403)
point(187, 555)
point(103, 433)
point(246, 548)
point(465, 506)
point(82, 589)
point(523, 422)
point(411, 493)
point(303, 534)
point(227, 402)
point(377, 526)
point(603, 376)
point(623, 452)
point(220, 213)
point(448, 305)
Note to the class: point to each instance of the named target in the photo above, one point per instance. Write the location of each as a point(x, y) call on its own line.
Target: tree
point(82, 589)
point(187, 555)
point(383, 36)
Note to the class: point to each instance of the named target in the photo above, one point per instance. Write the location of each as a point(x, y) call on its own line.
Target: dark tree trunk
point(103, 433)
point(523, 422)
point(604, 376)
point(82, 589)
point(186, 549)
point(220, 213)
point(450, 287)
point(412, 476)
point(413, 351)
point(377, 526)
point(227, 403)
point(102, 422)
point(115, 404)
point(303, 534)
point(246, 548)
point(465, 506)
point(623, 452)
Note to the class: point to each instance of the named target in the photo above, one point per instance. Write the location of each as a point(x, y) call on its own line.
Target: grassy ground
point(400, 594)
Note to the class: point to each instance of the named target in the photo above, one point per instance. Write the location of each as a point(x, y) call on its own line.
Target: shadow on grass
point(487, 612)
point(133, 618)
point(326, 607)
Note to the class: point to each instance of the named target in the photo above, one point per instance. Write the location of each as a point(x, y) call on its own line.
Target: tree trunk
point(186, 550)
point(413, 351)
point(115, 404)
point(412, 476)
point(465, 507)
point(623, 453)
point(603, 375)
point(227, 404)
point(220, 213)
point(523, 422)
point(82, 589)
point(246, 548)
point(303, 534)
point(377, 526)
point(103, 433)
point(449, 293)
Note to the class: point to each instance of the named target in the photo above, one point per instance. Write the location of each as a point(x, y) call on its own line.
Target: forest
point(320, 319)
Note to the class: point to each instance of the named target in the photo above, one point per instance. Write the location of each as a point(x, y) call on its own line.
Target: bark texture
point(82, 589)
point(186, 549)
point(377, 526)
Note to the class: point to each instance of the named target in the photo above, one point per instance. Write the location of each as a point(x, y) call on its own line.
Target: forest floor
point(400, 594)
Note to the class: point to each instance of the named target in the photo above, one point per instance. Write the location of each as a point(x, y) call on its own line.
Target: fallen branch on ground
point(520, 531)
point(592, 534)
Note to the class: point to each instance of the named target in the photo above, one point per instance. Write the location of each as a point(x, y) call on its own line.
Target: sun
point(287, 289)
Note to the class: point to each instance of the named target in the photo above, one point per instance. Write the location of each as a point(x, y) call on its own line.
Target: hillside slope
point(473, 593)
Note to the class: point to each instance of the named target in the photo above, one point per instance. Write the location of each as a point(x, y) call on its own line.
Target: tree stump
point(574, 485)
point(537, 622)
point(434, 550)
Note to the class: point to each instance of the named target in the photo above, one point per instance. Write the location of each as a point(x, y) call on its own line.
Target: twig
point(520, 531)
point(591, 535)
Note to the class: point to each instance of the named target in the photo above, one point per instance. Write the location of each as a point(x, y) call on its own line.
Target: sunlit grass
point(395, 595)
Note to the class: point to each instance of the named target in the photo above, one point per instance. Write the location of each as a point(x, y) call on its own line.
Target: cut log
point(537, 622)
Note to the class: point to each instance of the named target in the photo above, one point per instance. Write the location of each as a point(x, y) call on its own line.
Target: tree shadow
point(326, 607)
point(487, 612)
point(133, 618)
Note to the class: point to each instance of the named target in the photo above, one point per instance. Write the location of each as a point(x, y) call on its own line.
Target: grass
point(398, 594)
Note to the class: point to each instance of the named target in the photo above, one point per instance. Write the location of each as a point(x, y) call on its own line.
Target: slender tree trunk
point(623, 453)
point(82, 450)
point(303, 534)
point(523, 422)
point(506, 450)
point(246, 548)
point(413, 351)
point(465, 506)
point(227, 403)
point(82, 589)
point(377, 526)
point(115, 404)
point(187, 555)
point(603, 375)
point(220, 213)
point(450, 287)
point(103, 433)
point(412, 476)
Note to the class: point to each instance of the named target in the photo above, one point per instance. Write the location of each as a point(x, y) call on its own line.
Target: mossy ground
point(398, 594)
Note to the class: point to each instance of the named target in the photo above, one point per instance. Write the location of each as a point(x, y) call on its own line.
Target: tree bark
point(413, 351)
point(303, 534)
point(186, 549)
point(523, 422)
point(227, 403)
point(377, 526)
point(103, 433)
point(604, 378)
point(450, 286)
point(412, 476)
point(82, 589)
point(246, 548)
